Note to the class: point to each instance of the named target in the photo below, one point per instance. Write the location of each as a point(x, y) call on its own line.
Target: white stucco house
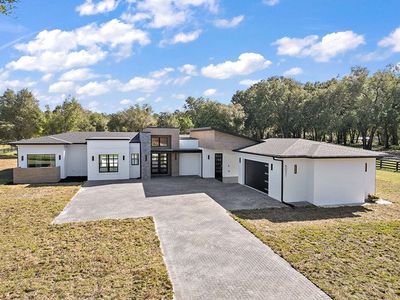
point(287, 170)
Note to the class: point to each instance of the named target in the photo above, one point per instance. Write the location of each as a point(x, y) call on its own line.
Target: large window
point(134, 159)
point(41, 160)
point(108, 163)
point(159, 141)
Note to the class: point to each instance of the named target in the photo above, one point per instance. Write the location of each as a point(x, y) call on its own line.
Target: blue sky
point(111, 54)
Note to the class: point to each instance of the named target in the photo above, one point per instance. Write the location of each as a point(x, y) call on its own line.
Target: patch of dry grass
point(112, 259)
point(349, 252)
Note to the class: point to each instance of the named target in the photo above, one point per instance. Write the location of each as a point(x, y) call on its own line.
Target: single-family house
point(288, 170)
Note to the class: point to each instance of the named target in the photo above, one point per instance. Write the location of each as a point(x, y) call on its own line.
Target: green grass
point(104, 259)
point(349, 252)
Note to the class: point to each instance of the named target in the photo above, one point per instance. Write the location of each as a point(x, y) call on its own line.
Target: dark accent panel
point(218, 166)
point(257, 175)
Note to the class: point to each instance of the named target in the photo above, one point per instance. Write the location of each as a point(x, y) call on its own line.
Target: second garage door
point(257, 175)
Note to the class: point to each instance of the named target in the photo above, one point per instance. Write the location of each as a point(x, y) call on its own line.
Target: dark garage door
point(256, 175)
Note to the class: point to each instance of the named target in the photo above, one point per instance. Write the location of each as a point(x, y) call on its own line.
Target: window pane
point(163, 141)
point(41, 160)
point(155, 142)
point(135, 158)
point(108, 163)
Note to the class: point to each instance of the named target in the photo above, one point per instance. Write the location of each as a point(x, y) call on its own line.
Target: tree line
point(358, 108)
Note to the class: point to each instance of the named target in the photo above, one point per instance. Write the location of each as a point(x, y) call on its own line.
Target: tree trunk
point(395, 135)
point(371, 139)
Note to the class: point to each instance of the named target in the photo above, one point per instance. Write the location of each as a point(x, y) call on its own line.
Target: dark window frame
point(160, 141)
point(135, 159)
point(52, 160)
point(108, 168)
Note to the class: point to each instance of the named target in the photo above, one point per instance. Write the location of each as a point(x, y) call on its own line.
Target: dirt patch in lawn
point(349, 252)
point(112, 258)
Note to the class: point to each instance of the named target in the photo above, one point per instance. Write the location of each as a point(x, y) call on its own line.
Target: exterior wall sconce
point(208, 156)
point(123, 157)
point(59, 157)
point(92, 157)
point(22, 158)
point(240, 160)
point(272, 167)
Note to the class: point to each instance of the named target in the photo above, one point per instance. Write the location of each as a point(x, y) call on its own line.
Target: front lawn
point(349, 252)
point(103, 259)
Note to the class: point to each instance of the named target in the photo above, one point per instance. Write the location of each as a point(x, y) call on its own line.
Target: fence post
point(380, 164)
point(397, 166)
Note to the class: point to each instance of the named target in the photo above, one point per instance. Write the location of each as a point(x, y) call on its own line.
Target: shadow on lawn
point(302, 214)
point(6, 176)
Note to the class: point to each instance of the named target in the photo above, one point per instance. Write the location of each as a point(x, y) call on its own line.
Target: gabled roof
point(291, 148)
point(77, 138)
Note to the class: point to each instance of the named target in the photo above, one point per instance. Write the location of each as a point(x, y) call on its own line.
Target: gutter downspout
point(281, 161)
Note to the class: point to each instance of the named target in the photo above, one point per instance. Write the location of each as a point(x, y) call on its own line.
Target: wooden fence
point(388, 164)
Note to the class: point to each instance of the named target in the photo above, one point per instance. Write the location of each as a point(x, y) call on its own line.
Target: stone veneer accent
point(36, 175)
point(145, 150)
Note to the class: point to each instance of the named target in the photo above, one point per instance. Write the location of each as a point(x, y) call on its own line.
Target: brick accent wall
point(36, 175)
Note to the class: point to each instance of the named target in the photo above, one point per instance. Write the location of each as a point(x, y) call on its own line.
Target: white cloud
point(6, 83)
point(93, 106)
point(47, 77)
point(134, 18)
point(56, 61)
point(179, 96)
point(224, 23)
point(209, 92)
point(293, 72)
point(323, 50)
point(140, 99)
point(161, 73)
point(247, 63)
point(140, 84)
point(392, 41)
point(78, 75)
point(294, 46)
point(180, 80)
point(89, 8)
point(158, 99)
point(125, 101)
point(182, 38)
point(248, 82)
point(189, 69)
point(271, 2)
point(62, 87)
point(57, 50)
point(170, 13)
point(94, 88)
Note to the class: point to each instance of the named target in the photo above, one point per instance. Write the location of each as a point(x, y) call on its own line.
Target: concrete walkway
point(208, 254)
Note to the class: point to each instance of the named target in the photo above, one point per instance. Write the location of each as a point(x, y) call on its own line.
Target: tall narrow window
point(134, 159)
point(41, 160)
point(108, 163)
point(295, 169)
point(366, 167)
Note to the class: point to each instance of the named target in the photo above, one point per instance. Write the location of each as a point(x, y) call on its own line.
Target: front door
point(218, 166)
point(159, 163)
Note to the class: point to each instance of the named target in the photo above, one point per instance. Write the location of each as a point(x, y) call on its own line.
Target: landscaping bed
point(349, 252)
point(112, 258)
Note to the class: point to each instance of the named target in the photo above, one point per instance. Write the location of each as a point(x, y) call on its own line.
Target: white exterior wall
point(189, 164)
point(274, 174)
point(298, 187)
point(134, 170)
point(229, 163)
point(343, 181)
point(188, 144)
point(97, 147)
point(24, 150)
point(76, 160)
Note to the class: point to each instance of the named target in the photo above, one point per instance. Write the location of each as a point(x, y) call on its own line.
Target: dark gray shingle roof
point(280, 147)
point(77, 138)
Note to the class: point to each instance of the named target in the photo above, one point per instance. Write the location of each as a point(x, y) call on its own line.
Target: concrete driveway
point(208, 255)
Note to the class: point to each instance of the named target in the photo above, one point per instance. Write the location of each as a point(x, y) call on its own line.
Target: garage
point(257, 175)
